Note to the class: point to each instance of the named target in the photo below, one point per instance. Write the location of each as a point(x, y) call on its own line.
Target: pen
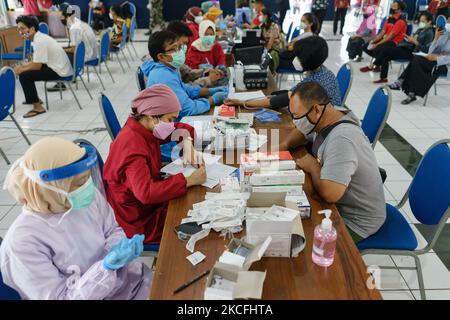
point(194, 279)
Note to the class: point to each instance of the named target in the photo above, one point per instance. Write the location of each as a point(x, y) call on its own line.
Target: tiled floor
point(417, 126)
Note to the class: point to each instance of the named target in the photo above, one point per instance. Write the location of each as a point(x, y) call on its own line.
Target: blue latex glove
point(206, 66)
point(214, 90)
point(219, 97)
point(124, 252)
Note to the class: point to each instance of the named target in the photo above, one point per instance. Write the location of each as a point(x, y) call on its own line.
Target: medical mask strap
point(34, 176)
point(320, 118)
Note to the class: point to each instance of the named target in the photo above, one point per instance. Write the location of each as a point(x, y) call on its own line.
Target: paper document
point(420, 53)
point(248, 95)
point(196, 258)
point(214, 169)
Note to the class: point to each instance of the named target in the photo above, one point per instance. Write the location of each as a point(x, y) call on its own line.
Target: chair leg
point(120, 62)
point(129, 50)
point(425, 100)
point(46, 95)
point(420, 277)
point(84, 84)
point(435, 88)
point(74, 95)
point(126, 59)
point(4, 157)
point(134, 48)
point(20, 129)
point(99, 78)
point(60, 91)
point(87, 72)
point(109, 71)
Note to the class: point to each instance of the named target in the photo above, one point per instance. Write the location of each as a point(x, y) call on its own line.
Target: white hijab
point(204, 25)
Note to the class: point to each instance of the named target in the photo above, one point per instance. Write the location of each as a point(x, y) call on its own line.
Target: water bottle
point(324, 244)
point(239, 76)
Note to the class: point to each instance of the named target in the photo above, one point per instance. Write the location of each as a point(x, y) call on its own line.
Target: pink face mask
point(163, 129)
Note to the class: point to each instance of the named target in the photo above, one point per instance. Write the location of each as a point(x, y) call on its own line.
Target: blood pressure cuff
point(280, 99)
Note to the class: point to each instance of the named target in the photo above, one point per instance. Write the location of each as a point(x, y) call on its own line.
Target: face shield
point(82, 179)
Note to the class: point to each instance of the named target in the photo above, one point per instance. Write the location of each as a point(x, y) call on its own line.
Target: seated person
point(126, 15)
point(168, 57)
point(50, 62)
point(393, 32)
point(311, 53)
point(308, 27)
point(99, 21)
point(343, 166)
point(212, 14)
point(66, 243)
point(78, 31)
point(365, 33)
point(204, 77)
point(419, 42)
point(193, 18)
point(422, 72)
point(116, 33)
point(439, 7)
point(205, 50)
point(273, 40)
point(136, 190)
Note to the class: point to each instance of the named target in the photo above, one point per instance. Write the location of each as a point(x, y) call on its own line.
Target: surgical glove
point(124, 252)
point(219, 97)
point(205, 66)
point(214, 90)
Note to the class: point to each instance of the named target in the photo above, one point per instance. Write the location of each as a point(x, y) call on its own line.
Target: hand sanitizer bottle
point(324, 244)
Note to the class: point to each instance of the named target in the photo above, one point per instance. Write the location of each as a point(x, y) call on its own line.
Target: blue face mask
point(82, 197)
point(208, 40)
point(178, 59)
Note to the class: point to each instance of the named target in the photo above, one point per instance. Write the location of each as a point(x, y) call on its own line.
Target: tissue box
point(229, 278)
point(282, 224)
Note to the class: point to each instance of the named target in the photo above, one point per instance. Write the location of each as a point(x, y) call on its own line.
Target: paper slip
point(247, 95)
point(420, 53)
point(196, 258)
point(194, 238)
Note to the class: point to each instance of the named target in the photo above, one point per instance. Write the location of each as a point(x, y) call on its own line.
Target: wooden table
point(296, 278)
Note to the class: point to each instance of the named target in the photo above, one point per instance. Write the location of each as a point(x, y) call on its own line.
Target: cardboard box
point(267, 178)
point(298, 201)
point(229, 278)
point(288, 237)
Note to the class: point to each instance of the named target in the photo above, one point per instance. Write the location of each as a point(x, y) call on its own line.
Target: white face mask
point(302, 25)
point(111, 16)
point(297, 65)
point(198, 19)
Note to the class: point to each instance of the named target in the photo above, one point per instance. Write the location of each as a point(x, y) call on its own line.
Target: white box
point(299, 201)
point(267, 178)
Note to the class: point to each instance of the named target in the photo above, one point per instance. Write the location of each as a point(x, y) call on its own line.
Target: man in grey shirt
point(345, 171)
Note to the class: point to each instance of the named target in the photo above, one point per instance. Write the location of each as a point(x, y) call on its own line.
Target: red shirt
point(194, 28)
point(134, 186)
point(435, 5)
point(398, 29)
point(256, 22)
point(215, 56)
point(341, 4)
point(30, 8)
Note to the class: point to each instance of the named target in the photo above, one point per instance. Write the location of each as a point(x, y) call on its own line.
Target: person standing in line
point(340, 11)
point(156, 20)
point(319, 9)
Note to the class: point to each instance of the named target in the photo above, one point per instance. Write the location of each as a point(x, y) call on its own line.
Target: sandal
point(33, 113)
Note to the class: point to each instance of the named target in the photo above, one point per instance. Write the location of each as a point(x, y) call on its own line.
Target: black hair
point(311, 51)
point(29, 21)
point(125, 11)
point(117, 9)
point(179, 28)
point(401, 4)
point(66, 9)
point(427, 15)
point(311, 17)
point(311, 93)
point(268, 22)
point(259, 1)
point(158, 41)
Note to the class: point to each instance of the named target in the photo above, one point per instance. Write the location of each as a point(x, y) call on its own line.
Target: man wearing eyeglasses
point(342, 165)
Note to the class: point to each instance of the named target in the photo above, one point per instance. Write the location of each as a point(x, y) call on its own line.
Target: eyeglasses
point(306, 114)
point(176, 49)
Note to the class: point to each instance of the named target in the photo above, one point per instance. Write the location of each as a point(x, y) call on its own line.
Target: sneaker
point(365, 69)
point(395, 86)
point(57, 87)
point(408, 100)
point(380, 81)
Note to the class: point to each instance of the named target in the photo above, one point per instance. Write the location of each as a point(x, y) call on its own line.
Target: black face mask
point(392, 11)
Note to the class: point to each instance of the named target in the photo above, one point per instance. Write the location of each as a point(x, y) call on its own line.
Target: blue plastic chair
point(140, 79)
point(121, 47)
point(43, 28)
point(94, 63)
point(344, 78)
point(151, 250)
point(109, 116)
point(429, 199)
point(288, 34)
point(132, 9)
point(295, 33)
point(19, 55)
point(7, 101)
point(441, 21)
point(78, 68)
point(409, 29)
point(133, 28)
point(377, 114)
point(103, 55)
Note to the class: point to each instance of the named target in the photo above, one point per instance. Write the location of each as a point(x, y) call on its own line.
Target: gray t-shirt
point(346, 157)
